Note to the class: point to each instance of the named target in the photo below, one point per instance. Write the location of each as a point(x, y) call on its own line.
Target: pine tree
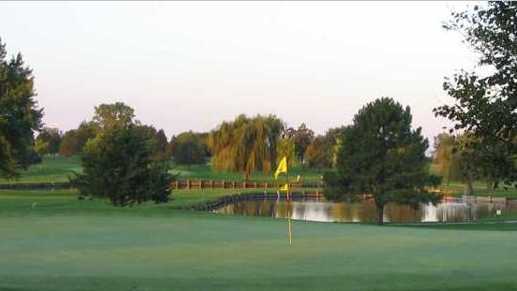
point(383, 156)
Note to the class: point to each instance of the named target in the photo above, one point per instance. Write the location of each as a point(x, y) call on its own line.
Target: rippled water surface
point(456, 210)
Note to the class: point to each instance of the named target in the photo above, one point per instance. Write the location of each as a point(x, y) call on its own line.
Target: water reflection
point(456, 210)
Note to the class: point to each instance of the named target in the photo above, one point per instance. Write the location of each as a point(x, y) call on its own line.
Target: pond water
point(454, 210)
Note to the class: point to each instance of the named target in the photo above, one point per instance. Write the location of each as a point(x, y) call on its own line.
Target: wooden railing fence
point(227, 184)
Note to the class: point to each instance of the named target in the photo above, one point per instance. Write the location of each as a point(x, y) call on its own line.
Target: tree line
point(380, 153)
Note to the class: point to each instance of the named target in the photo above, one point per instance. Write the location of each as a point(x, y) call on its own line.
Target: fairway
point(61, 243)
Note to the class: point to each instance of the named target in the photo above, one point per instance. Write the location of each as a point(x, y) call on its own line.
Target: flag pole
point(289, 226)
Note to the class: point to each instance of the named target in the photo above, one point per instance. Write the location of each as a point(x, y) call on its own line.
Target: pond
point(452, 210)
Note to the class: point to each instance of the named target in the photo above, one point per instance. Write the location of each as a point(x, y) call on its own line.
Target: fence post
point(188, 184)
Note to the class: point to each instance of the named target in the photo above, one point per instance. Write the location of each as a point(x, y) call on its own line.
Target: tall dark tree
point(486, 103)
point(189, 149)
point(383, 156)
point(19, 114)
point(161, 142)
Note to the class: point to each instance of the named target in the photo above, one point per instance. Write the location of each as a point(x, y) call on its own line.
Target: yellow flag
point(282, 167)
point(285, 188)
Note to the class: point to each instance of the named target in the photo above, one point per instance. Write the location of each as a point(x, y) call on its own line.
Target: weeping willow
point(246, 144)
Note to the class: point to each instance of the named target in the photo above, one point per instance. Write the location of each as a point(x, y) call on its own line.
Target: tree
point(321, 153)
point(74, 140)
point(456, 159)
point(171, 148)
point(41, 147)
point(52, 137)
point(189, 149)
point(120, 164)
point(113, 115)
point(286, 148)
point(161, 143)
point(302, 138)
point(19, 114)
point(246, 144)
point(316, 155)
point(382, 156)
point(444, 158)
point(486, 101)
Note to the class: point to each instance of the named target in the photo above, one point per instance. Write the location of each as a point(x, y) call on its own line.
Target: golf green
point(96, 247)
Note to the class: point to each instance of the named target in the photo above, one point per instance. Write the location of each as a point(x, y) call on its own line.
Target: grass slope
point(52, 241)
point(50, 170)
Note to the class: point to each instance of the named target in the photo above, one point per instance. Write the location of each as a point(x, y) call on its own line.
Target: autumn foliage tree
point(74, 140)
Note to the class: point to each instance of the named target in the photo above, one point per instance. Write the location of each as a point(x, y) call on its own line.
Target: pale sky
point(188, 66)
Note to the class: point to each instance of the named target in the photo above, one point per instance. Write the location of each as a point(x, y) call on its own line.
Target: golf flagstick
point(282, 168)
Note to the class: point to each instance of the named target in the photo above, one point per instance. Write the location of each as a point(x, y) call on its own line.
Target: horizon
point(223, 59)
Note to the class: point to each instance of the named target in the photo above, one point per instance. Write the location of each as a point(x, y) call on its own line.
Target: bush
point(119, 164)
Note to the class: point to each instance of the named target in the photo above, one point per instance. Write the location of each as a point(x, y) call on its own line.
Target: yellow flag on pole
point(282, 167)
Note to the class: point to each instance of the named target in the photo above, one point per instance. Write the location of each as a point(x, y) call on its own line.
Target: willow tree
point(246, 144)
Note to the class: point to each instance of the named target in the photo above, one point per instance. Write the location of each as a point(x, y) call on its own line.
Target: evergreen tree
point(19, 114)
point(383, 156)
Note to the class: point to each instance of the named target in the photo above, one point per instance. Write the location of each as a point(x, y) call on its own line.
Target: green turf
point(480, 189)
point(52, 241)
point(206, 172)
point(50, 170)
point(57, 169)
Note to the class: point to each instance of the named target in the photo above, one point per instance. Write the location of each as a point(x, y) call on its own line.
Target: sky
point(189, 66)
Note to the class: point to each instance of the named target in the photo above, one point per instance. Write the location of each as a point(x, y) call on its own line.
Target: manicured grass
point(206, 172)
point(50, 170)
point(480, 189)
point(58, 169)
point(52, 241)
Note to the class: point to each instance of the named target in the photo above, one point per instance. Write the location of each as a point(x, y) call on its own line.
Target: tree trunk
point(469, 188)
point(380, 214)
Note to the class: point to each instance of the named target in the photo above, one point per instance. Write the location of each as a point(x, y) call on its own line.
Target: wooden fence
point(225, 184)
